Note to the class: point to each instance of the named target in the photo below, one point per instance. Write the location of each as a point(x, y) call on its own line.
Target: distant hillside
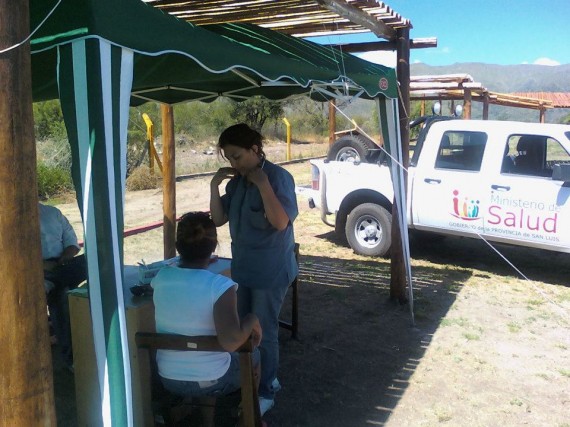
point(508, 79)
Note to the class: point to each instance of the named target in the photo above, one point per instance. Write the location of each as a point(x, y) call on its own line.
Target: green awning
point(100, 56)
point(176, 61)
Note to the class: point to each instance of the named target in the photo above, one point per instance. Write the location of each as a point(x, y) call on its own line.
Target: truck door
point(448, 184)
point(527, 207)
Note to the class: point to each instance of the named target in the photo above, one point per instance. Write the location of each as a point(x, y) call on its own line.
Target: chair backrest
point(473, 150)
point(159, 341)
point(508, 163)
point(445, 144)
point(529, 159)
point(250, 402)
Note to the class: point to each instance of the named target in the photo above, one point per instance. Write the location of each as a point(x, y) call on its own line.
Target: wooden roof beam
point(494, 99)
point(356, 15)
point(444, 85)
point(459, 78)
point(420, 43)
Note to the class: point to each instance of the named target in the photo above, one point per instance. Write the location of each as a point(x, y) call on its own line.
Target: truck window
point(555, 155)
point(508, 164)
point(534, 155)
point(461, 150)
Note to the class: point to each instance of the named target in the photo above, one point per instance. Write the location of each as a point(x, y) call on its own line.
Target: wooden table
point(139, 313)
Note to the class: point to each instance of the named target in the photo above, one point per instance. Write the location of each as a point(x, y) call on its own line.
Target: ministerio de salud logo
point(466, 209)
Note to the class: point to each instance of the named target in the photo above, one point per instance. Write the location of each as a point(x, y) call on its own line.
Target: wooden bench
point(250, 414)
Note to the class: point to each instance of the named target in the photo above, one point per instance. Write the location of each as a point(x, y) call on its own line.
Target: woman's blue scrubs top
point(262, 256)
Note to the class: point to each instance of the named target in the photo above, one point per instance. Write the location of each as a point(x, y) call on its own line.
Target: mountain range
point(509, 79)
point(506, 78)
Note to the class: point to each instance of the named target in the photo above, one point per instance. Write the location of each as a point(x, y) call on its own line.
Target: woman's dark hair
point(196, 236)
point(241, 135)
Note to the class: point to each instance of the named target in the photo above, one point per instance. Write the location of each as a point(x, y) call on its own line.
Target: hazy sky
point(505, 32)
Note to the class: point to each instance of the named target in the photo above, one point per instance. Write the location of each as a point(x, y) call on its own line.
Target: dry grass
point(143, 179)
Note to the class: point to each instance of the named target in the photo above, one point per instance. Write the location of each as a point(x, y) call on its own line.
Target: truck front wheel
point(369, 230)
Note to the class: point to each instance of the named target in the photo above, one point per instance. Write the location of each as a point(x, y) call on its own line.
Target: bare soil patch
point(487, 348)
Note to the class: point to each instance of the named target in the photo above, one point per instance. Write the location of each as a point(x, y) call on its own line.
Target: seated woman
point(190, 300)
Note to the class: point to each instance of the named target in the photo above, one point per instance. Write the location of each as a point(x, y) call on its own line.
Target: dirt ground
point(487, 348)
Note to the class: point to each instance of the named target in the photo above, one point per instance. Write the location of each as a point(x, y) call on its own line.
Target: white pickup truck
point(506, 181)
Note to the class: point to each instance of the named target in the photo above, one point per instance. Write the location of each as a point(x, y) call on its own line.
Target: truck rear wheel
point(350, 148)
point(369, 230)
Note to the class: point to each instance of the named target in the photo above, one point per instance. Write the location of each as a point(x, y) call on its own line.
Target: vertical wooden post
point(332, 121)
point(26, 378)
point(467, 104)
point(486, 106)
point(168, 181)
point(397, 266)
point(288, 142)
point(423, 108)
point(542, 116)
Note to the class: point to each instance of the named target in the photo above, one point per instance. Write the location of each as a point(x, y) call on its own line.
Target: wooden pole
point(288, 142)
point(486, 106)
point(467, 104)
point(542, 116)
point(168, 181)
point(332, 121)
point(397, 266)
point(26, 378)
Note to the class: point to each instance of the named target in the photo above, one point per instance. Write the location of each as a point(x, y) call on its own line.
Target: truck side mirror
point(561, 172)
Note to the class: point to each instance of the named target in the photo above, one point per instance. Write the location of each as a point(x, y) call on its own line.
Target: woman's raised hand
point(257, 176)
point(222, 174)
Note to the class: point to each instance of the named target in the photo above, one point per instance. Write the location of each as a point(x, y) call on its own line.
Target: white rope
point(342, 72)
point(538, 290)
point(33, 32)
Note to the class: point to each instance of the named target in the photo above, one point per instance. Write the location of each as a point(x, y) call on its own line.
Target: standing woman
point(260, 205)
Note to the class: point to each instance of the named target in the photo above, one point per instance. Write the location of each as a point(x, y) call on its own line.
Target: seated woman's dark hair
point(241, 135)
point(196, 236)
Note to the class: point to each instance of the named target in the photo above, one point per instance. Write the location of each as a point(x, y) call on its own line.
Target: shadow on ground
point(64, 390)
point(535, 264)
point(357, 349)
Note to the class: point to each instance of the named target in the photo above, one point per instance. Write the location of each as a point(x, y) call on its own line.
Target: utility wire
point(33, 32)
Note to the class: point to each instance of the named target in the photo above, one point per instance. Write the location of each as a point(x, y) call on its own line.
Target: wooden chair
point(293, 325)
point(250, 414)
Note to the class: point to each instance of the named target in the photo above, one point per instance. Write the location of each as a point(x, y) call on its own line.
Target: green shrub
point(48, 120)
point(53, 181)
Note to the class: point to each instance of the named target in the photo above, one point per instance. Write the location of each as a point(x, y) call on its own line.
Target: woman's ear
point(255, 148)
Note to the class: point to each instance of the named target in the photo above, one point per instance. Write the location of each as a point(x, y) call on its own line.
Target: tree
point(48, 120)
point(256, 111)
